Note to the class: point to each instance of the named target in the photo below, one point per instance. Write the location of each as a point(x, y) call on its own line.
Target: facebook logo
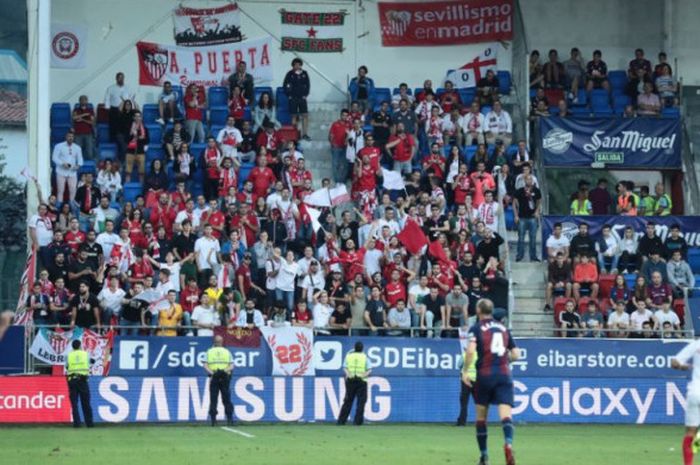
point(328, 355)
point(133, 355)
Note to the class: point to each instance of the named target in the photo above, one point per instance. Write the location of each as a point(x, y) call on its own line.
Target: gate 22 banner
point(206, 66)
point(625, 143)
point(445, 23)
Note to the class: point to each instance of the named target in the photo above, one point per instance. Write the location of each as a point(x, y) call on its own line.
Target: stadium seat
point(510, 218)
point(559, 306)
point(60, 114)
point(679, 308)
point(116, 205)
point(583, 304)
point(197, 189)
point(154, 153)
point(102, 133)
point(467, 95)
point(155, 134)
point(671, 113)
point(58, 132)
point(282, 104)
point(88, 166)
point(217, 116)
point(697, 280)
point(417, 91)
point(605, 283)
point(132, 190)
point(469, 152)
point(604, 305)
point(150, 113)
point(396, 91)
point(603, 112)
point(582, 100)
point(503, 82)
point(214, 130)
point(554, 111)
point(179, 98)
point(381, 94)
point(630, 278)
point(259, 91)
point(217, 97)
point(579, 111)
point(243, 173)
point(694, 260)
point(512, 150)
point(107, 151)
point(617, 79)
point(620, 102)
point(247, 114)
point(102, 114)
point(197, 149)
point(485, 110)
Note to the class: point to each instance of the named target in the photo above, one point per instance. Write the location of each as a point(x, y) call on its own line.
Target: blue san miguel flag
point(615, 142)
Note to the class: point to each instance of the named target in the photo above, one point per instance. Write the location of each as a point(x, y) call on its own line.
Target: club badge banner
point(292, 350)
point(312, 32)
point(239, 337)
point(68, 42)
point(206, 66)
point(53, 347)
point(614, 142)
point(445, 23)
point(207, 26)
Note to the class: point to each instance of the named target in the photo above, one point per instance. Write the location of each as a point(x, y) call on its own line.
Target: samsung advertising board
point(318, 399)
point(586, 358)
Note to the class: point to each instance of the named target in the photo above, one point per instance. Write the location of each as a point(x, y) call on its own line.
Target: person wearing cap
point(219, 367)
point(77, 372)
point(356, 373)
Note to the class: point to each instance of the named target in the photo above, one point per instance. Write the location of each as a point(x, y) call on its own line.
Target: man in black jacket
point(650, 242)
point(581, 244)
point(243, 80)
point(297, 87)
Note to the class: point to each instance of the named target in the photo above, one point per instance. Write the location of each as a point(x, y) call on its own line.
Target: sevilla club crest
point(155, 62)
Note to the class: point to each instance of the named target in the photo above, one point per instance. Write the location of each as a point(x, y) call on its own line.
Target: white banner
point(207, 26)
point(68, 42)
point(207, 66)
point(476, 67)
point(393, 180)
point(292, 350)
point(53, 347)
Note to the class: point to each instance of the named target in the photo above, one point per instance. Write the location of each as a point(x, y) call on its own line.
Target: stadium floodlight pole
point(38, 124)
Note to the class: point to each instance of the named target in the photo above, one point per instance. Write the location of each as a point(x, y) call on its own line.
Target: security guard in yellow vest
point(356, 373)
point(662, 201)
point(467, 377)
point(219, 366)
point(77, 371)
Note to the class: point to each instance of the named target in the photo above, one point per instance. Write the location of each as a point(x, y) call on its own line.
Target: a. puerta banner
point(690, 226)
point(208, 66)
point(318, 399)
point(616, 142)
point(445, 23)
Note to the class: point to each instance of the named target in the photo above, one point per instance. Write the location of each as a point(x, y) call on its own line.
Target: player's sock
point(482, 437)
point(508, 430)
point(687, 450)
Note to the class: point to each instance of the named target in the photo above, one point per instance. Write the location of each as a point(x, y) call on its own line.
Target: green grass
point(310, 444)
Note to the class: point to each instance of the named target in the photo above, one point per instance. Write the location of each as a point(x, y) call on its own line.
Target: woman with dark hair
point(264, 112)
point(123, 127)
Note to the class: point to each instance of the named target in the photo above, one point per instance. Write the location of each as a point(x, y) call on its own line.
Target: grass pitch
point(324, 444)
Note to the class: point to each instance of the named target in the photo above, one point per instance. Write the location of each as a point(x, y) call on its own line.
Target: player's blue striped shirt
point(493, 344)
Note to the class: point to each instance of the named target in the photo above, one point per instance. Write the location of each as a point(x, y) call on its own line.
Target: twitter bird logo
point(328, 355)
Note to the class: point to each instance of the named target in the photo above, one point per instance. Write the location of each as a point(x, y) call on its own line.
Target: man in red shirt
point(262, 178)
point(402, 147)
point(195, 102)
point(299, 174)
point(247, 195)
point(189, 299)
point(352, 260)
point(435, 161)
point(214, 218)
point(163, 215)
point(337, 136)
point(83, 127)
point(74, 237)
point(395, 290)
point(246, 220)
point(244, 280)
point(139, 269)
point(269, 138)
point(374, 153)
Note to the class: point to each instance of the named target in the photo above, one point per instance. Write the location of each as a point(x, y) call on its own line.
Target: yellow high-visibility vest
point(471, 369)
point(78, 363)
point(356, 364)
point(218, 358)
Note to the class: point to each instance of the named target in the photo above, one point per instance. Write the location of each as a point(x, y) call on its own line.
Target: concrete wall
point(115, 26)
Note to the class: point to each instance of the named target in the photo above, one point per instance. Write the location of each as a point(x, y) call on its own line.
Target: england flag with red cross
point(469, 74)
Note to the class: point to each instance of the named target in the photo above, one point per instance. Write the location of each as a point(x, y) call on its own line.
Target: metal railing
point(607, 333)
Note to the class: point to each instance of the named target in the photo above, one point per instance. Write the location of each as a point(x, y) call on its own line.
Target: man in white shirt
point(187, 214)
point(313, 281)
point(205, 317)
point(665, 314)
point(488, 211)
point(207, 249)
point(40, 227)
point(273, 197)
point(473, 125)
point(230, 138)
point(687, 358)
point(416, 293)
point(107, 239)
point(372, 260)
point(68, 158)
point(390, 221)
point(499, 126)
point(557, 243)
point(251, 317)
point(619, 320)
point(286, 282)
point(115, 95)
point(639, 317)
point(164, 284)
point(110, 299)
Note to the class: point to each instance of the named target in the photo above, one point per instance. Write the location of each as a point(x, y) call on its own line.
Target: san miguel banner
point(207, 66)
point(312, 32)
point(292, 350)
point(53, 347)
point(445, 23)
point(615, 142)
point(690, 226)
point(207, 26)
point(238, 337)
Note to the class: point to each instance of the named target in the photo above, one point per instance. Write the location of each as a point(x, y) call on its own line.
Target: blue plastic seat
point(154, 153)
point(485, 110)
point(694, 260)
point(107, 151)
point(214, 130)
point(132, 190)
point(510, 218)
point(381, 94)
point(258, 91)
point(282, 104)
point(60, 114)
point(218, 116)
point(469, 152)
point(579, 111)
point(58, 132)
point(150, 113)
point(617, 79)
point(671, 112)
point(467, 95)
point(102, 133)
point(88, 166)
point(155, 134)
point(504, 82)
point(217, 97)
point(396, 91)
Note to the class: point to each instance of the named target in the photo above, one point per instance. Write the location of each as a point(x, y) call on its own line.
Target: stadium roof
point(13, 109)
point(12, 67)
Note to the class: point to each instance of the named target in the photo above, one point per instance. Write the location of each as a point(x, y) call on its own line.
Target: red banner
point(445, 23)
point(239, 337)
point(34, 399)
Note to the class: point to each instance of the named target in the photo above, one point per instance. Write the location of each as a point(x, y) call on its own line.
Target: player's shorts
point(493, 390)
point(297, 106)
point(692, 409)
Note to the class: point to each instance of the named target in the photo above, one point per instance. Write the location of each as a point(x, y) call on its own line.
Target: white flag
point(393, 180)
point(68, 43)
point(339, 194)
point(475, 68)
point(314, 215)
point(319, 198)
point(292, 350)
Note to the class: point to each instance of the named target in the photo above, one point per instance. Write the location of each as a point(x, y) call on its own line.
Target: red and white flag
point(292, 350)
point(22, 316)
point(469, 74)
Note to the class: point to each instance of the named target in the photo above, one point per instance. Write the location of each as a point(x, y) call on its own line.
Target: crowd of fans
point(642, 90)
point(174, 261)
